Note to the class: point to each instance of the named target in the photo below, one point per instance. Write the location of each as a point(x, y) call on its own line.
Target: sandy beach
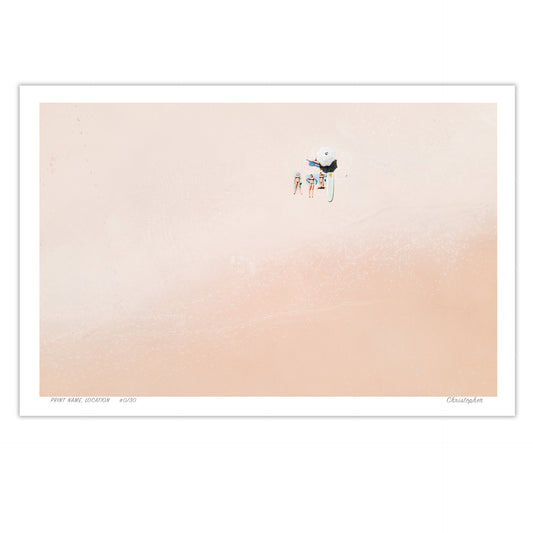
point(175, 260)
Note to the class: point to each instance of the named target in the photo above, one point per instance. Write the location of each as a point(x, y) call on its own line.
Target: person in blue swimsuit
point(310, 178)
point(297, 182)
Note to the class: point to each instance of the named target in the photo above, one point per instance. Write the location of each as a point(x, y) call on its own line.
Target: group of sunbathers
point(312, 179)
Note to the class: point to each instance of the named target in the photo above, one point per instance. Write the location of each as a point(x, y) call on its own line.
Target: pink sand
point(158, 278)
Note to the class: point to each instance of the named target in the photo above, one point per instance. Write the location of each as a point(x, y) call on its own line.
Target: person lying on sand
point(330, 168)
point(311, 180)
point(297, 182)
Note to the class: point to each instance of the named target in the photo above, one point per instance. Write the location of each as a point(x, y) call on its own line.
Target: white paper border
point(31, 404)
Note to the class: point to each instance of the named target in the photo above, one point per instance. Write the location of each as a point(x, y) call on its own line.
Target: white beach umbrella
point(325, 156)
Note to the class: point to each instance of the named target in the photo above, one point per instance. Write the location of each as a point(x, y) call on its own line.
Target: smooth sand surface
point(164, 277)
